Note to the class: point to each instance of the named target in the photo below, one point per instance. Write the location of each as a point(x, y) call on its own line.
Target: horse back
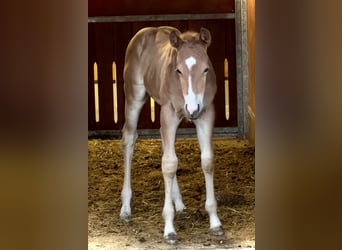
point(147, 56)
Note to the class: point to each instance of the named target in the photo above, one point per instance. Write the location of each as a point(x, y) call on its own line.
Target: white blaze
point(190, 98)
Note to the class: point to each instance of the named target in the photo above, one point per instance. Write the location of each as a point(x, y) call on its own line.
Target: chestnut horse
point(174, 69)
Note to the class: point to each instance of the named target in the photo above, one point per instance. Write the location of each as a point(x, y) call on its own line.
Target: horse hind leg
point(176, 196)
point(135, 99)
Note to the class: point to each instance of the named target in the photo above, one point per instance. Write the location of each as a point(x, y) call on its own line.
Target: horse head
point(192, 67)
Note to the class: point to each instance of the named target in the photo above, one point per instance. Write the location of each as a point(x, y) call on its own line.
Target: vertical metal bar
point(153, 115)
point(226, 88)
point(115, 93)
point(96, 94)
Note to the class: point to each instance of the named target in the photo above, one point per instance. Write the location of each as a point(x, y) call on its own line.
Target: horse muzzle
point(192, 112)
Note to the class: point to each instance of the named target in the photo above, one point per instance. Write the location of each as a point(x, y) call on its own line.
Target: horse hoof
point(217, 230)
point(171, 238)
point(180, 208)
point(125, 217)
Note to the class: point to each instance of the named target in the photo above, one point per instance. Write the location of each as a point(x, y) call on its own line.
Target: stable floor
point(234, 188)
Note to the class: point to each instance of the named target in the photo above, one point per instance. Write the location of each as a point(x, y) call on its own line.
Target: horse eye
point(206, 70)
point(178, 72)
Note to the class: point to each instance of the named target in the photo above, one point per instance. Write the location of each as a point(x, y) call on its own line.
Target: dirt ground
point(234, 188)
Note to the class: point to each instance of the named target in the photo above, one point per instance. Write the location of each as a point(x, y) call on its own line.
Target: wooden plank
point(160, 17)
point(154, 7)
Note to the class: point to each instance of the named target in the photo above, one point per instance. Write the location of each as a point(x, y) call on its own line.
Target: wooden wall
point(104, 49)
point(156, 7)
point(107, 43)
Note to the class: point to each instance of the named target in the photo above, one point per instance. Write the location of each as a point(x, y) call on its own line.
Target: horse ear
point(175, 40)
point(205, 36)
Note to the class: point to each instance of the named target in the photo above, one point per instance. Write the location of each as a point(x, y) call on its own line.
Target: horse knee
point(208, 167)
point(207, 162)
point(169, 165)
point(129, 136)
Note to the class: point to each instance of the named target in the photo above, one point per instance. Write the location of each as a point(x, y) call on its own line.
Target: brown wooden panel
point(216, 51)
point(155, 7)
point(104, 52)
point(231, 56)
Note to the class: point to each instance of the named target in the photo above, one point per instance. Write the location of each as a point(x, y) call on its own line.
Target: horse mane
point(191, 38)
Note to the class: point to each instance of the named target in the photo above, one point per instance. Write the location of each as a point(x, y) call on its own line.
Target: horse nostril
point(192, 111)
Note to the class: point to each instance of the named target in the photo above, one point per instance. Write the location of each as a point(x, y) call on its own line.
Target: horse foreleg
point(204, 127)
point(169, 123)
point(210, 203)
